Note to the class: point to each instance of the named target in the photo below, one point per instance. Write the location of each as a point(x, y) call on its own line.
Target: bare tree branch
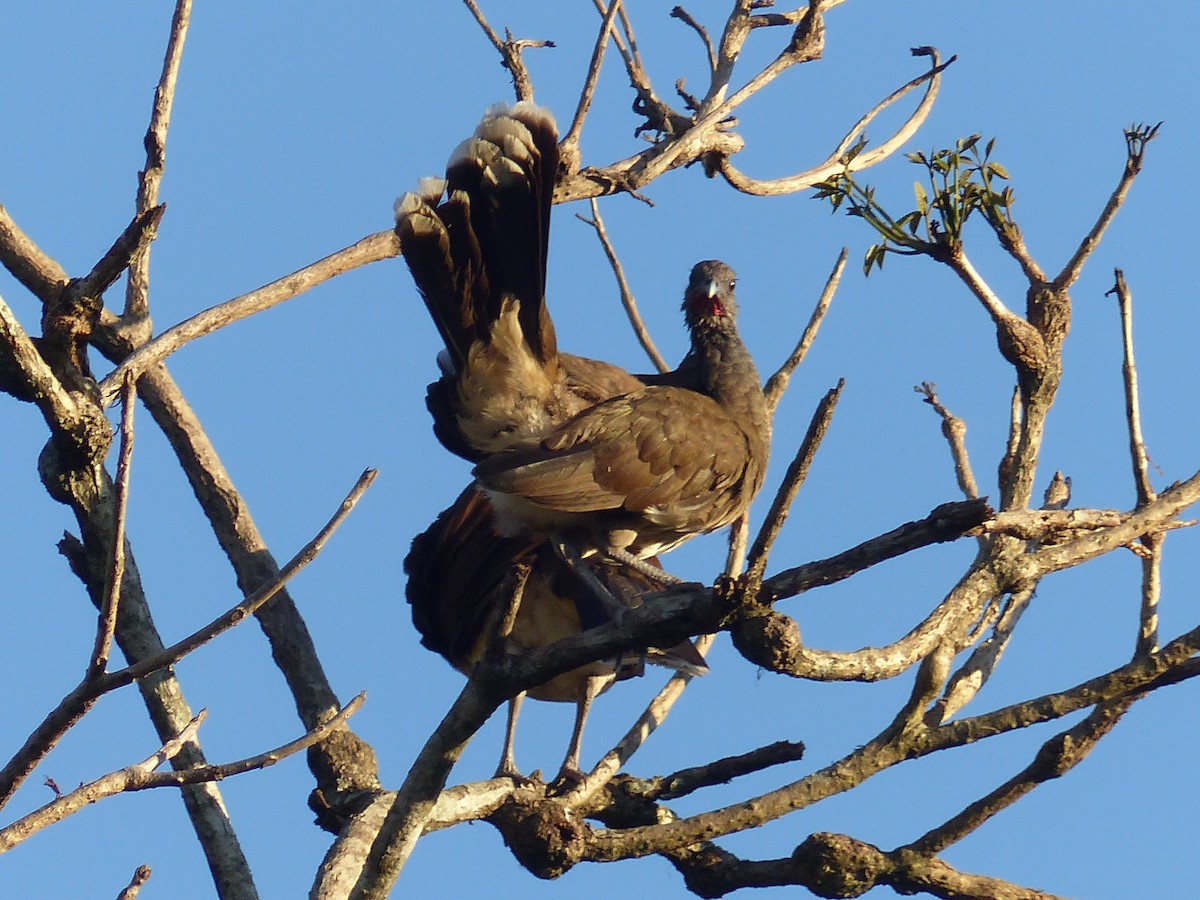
point(107, 624)
point(137, 291)
point(955, 431)
point(141, 776)
point(778, 382)
point(381, 245)
point(510, 52)
point(721, 771)
point(1147, 640)
point(1136, 139)
point(836, 163)
point(140, 877)
point(238, 613)
point(793, 480)
point(685, 17)
point(569, 145)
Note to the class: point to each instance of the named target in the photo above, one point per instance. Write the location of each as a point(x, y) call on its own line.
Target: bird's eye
point(733, 284)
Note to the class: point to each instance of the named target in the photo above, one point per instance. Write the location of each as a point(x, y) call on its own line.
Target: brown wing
point(594, 381)
point(660, 451)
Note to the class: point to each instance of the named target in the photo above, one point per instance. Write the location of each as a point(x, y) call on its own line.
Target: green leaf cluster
point(956, 183)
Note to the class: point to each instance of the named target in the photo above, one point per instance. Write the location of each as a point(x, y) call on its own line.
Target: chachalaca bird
point(569, 448)
point(460, 582)
point(478, 257)
point(642, 472)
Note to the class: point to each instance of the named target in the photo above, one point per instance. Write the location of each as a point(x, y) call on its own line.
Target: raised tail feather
point(488, 239)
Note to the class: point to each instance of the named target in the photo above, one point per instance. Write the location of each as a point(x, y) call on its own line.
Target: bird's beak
point(712, 289)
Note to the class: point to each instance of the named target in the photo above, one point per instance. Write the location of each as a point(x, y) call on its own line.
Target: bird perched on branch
point(461, 582)
point(567, 447)
point(584, 471)
point(644, 471)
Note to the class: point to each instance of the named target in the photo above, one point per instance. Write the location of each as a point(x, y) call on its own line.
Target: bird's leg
point(627, 666)
point(654, 573)
point(508, 762)
point(569, 555)
point(569, 776)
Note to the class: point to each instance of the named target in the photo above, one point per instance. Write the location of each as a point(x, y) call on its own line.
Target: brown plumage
point(565, 444)
point(478, 257)
point(459, 582)
point(646, 470)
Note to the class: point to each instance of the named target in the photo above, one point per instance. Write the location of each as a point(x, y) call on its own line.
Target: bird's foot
point(508, 769)
point(567, 779)
point(516, 777)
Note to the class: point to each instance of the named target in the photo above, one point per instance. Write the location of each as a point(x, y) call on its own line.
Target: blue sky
point(293, 133)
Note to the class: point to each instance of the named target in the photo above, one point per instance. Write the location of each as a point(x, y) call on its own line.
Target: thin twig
point(569, 146)
point(836, 161)
point(684, 16)
point(137, 290)
point(739, 540)
point(483, 23)
point(719, 771)
point(627, 27)
point(133, 241)
point(140, 876)
point(510, 52)
point(793, 480)
point(1147, 641)
point(504, 626)
point(107, 623)
point(61, 807)
point(1133, 414)
point(251, 763)
point(225, 621)
point(1136, 139)
point(381, 245)
point(778, 382)
point(627, 298)
point(955, 431)
point(141, 776)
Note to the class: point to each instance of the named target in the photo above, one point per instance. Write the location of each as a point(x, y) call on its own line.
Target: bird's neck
point(720, 366)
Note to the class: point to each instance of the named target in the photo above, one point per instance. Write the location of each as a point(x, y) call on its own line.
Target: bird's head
point(709, 298)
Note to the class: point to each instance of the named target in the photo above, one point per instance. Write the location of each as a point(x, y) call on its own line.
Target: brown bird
point(478, 258)
point(509, 400)
point(459, 582)
point(645, 471)
point(572, 449)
